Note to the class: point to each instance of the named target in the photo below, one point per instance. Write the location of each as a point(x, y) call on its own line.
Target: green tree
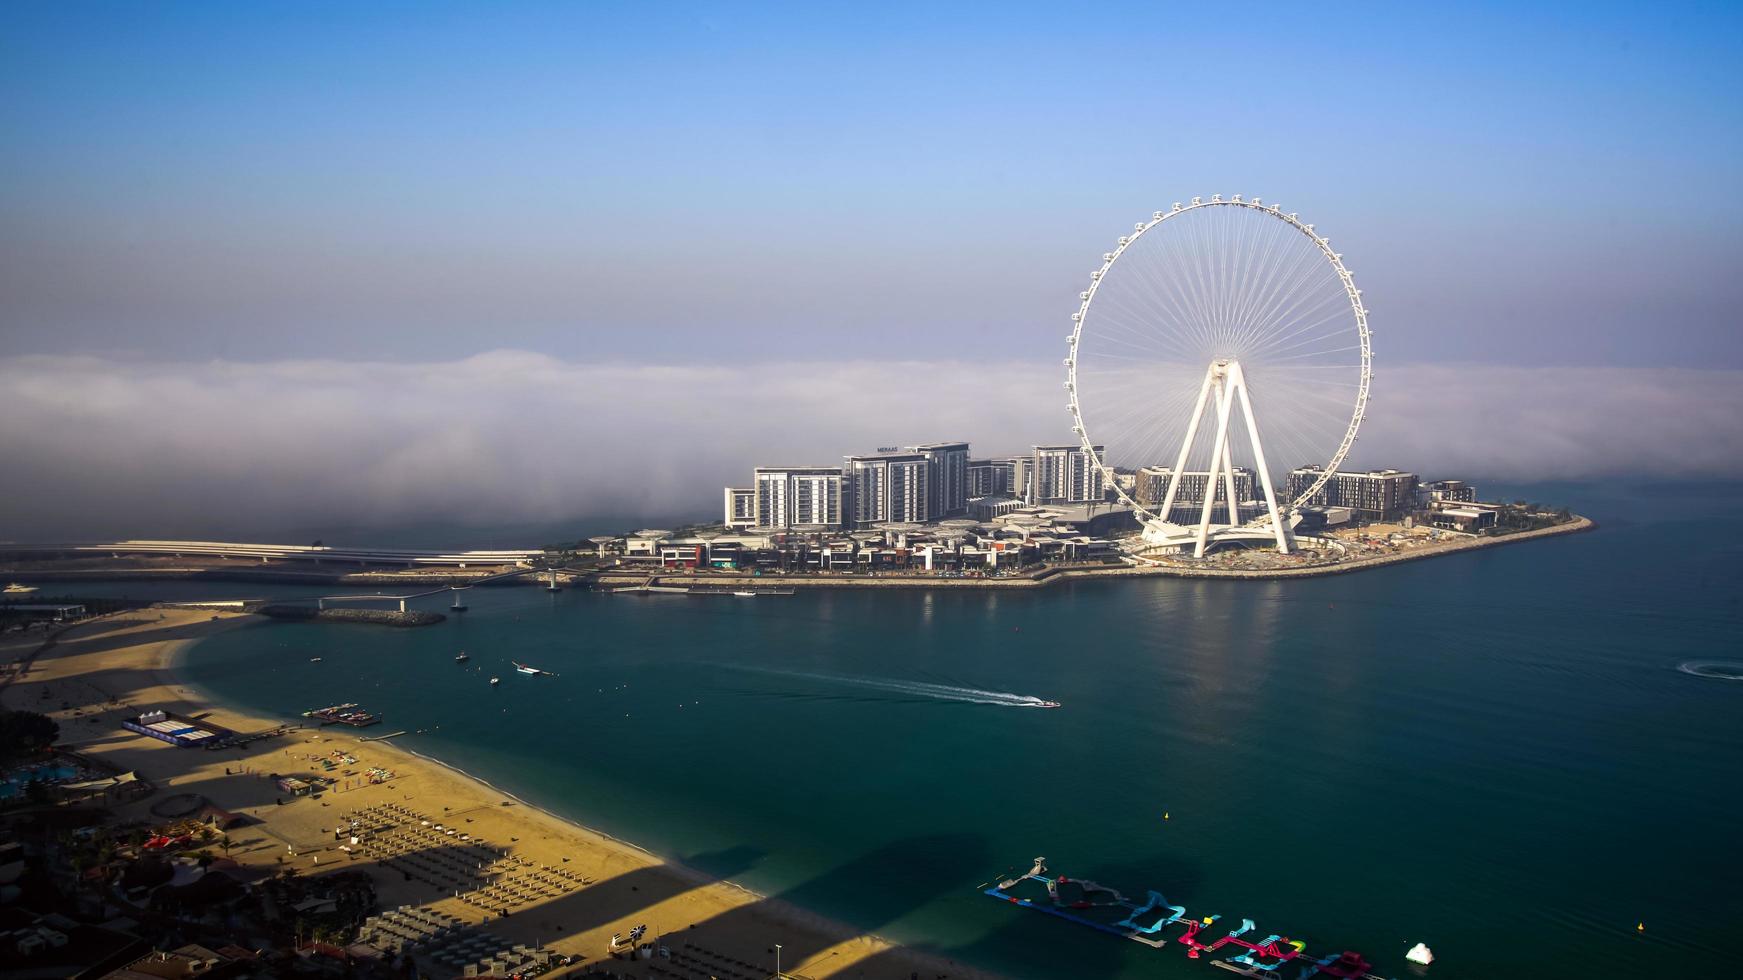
point(24, 734)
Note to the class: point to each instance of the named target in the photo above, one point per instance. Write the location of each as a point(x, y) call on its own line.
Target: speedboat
point(495, 681)
point(523, 668)
point(16, 589)
point(1048, 704)
point(462, 658)
point(314, 660)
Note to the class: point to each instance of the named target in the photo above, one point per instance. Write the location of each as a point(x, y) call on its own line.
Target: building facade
point(886, 487)
point(1452, 491)
point(1150, 488)
point(741, 506)
point(1377, 495)
point(800, 497)
point(946, 478)
point(1065, 474)
point(988, 478)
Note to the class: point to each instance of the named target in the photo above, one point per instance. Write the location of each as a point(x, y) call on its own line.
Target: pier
point(344, 714)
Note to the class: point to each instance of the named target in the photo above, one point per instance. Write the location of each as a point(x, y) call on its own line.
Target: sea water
point(1494, 752)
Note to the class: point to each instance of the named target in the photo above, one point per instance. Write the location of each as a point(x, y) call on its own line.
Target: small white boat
point(314, 660)
point(462, 658)
point(747, 593)
point(525, 669)
point(16, 589)
point(495, 681)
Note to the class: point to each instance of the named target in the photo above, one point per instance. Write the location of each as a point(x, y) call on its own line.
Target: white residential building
point(741, 506)
point(888, 486)
point(799, 496)
point(1065, 474)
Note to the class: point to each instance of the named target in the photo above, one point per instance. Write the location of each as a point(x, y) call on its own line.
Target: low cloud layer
point(95, 446)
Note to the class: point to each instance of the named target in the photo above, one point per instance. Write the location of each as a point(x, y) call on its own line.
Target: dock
point(1157, 923)
point(381, 738)
point(744, 591)
point(344, 714)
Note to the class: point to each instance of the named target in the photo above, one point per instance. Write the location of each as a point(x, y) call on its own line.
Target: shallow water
point(1495, 753)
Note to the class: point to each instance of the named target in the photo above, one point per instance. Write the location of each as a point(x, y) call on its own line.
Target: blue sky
point(695, 182)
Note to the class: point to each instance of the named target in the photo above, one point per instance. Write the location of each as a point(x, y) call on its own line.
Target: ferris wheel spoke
point(1298, 294)
point(1335, 319)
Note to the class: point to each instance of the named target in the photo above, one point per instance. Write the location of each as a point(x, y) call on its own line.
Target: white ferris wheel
point(1207, 325)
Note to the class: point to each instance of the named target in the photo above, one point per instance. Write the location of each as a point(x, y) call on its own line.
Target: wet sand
point(121, 665)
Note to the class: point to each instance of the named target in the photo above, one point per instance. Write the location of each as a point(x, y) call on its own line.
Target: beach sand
point(121, 665)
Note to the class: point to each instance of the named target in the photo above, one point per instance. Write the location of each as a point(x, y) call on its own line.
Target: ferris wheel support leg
point(1186, 445)
point(1234, 512)
point(1218, 459)
point(1277, 525)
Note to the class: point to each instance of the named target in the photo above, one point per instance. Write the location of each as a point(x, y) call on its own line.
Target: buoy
point(1639, 927)
point(1420, 953)
point(1165, 814)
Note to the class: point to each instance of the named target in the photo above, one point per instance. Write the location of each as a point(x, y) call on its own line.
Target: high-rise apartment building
point(888, 486)
point(946, 478)
point(989, 478)
point(800, 496)
point(1065, 474)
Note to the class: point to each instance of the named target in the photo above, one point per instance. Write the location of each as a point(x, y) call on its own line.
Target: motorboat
point(495, 681)
point(314, 660)
point(462, 658)
point(1048, 704)
point(525, 669)
point(746, 593)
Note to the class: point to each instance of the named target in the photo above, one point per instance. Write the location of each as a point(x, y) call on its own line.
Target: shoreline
point(153, 673)
point(626, 577)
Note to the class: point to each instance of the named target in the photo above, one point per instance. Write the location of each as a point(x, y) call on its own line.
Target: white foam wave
point(920, 689)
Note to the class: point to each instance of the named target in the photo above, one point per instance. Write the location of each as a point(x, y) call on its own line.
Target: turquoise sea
point(1494, 753)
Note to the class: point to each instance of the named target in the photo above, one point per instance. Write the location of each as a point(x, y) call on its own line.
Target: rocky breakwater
point(382, 617)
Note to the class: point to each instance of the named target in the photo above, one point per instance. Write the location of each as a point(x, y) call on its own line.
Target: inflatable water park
point(1157, 923)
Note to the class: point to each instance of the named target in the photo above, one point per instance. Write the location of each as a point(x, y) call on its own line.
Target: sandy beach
point(574, 887)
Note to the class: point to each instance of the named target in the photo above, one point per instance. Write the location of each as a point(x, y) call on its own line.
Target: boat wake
point(1715, 670)
point(917, 689)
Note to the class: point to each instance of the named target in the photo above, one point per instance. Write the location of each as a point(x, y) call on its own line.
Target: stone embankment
point(1052, 574)
point(383, 617)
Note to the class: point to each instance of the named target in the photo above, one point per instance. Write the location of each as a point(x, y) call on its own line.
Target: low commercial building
point(1469, 517)
point(179, 731)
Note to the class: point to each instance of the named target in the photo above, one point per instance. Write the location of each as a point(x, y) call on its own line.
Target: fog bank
point(97, 446)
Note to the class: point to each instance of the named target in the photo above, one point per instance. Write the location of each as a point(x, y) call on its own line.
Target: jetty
point(1156, 923)
point(344, 714)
